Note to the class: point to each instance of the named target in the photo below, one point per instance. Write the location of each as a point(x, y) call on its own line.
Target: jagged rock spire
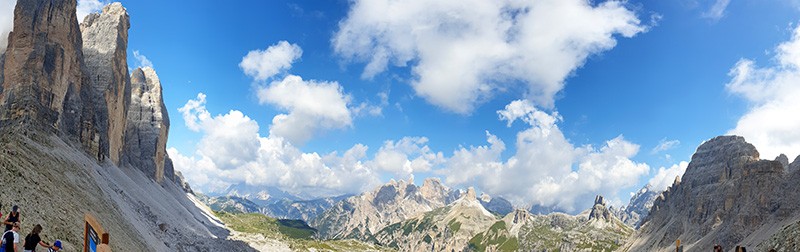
point(147, 127)
point(599, 210)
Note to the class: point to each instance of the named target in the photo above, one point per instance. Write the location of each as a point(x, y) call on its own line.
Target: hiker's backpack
point(3, 241)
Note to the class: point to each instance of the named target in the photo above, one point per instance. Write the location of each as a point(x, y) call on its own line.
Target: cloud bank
point(546, 167)
point(771, 122)
point(460, 52)
point(231, 151)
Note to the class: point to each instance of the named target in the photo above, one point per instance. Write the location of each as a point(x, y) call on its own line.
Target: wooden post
point(95, 239)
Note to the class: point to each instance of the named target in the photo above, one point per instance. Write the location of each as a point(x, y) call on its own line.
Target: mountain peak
point(115, 8)
point(485, 197)
point(783, 159)
point(724, 181)
point(598, 200)
point(599, 210)
point(471, 195)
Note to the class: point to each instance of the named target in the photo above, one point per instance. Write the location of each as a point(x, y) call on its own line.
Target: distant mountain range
point(433, 217)
point(728, 196)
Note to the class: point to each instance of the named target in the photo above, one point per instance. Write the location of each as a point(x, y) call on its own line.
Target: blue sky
point(653, 73)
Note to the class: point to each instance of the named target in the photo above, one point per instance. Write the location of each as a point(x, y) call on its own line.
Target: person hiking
point(56, 246)
point(12, 217)
point(11, 239)
point(33, 239)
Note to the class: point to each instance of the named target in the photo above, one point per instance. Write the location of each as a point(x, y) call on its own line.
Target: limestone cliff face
point(105, 41)
point(727, 196)
point(44, 71)
point(147, 127)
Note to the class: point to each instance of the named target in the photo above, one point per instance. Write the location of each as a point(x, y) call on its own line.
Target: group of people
point(738, 249)
point(10, 239)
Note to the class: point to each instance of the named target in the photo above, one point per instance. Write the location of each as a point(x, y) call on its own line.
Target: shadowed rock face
point(147, 126)
point(105, 42)
point(726, 194)
point(44, 71)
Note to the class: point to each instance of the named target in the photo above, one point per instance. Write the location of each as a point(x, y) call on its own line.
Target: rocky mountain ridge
point(305, 210)
point(361, 216)
point(638, 207)
point(728, 196)
point(465, 225)
point(448, 228)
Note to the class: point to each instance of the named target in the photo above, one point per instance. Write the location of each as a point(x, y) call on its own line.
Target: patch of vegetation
point(496, 237)
point(552, 232)
point(454, 225)
point(296, 233)
point(427, 239)
point(297, 229)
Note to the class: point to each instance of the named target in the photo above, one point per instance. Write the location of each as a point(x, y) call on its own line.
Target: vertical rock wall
point(74, 80)
point(43, 69)
point(148, 126)
point(105, 44)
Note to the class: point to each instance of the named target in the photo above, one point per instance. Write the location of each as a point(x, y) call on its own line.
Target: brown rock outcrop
point(44, 71)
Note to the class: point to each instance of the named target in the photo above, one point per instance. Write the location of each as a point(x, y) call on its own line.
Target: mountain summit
point(362, 216)
point(727, 196)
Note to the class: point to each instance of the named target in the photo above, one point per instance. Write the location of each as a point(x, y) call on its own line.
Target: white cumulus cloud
point(546, 169)
point(460, 52)
point(405, 157)
point(263, 64)
point(664, 177)
point(771, 122)
point(312, 106)
point(86, 7)
point(141, 60)
point(231, 152)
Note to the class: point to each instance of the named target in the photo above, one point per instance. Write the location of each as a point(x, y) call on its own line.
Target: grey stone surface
point(147, 126)
point(599, 210)
point(105, 44)
point(727, 196)
point(2, 61)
